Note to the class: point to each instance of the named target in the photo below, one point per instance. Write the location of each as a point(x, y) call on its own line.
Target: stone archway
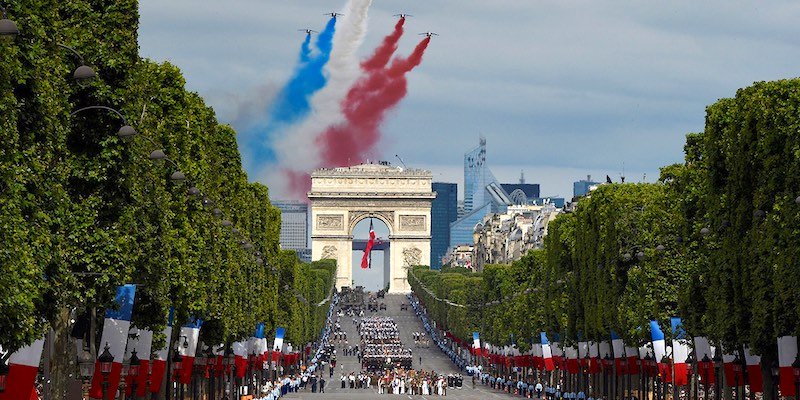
point(401, 198)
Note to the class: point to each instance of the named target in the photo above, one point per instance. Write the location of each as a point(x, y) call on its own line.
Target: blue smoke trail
point(293, 102)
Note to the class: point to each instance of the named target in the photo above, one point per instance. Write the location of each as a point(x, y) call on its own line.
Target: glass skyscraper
point(294, 227)
point(444, 211)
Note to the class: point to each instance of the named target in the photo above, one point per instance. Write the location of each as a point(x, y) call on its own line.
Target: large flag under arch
point(366, 260)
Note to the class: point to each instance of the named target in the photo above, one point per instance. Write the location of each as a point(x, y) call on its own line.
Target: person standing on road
point(322, 384)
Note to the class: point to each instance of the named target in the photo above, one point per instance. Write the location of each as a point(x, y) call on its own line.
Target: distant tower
point(521, 177)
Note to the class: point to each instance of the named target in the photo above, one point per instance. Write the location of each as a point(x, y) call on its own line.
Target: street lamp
point(106, 362)
point(705, 361)
point(689, 369)
point(3, 375)
point(158, 155)
point(133, 371)
point(796, 373)
point(177, 366)
point(177, 177)
point(83, 72)
point(7, 26)
point(126, 132)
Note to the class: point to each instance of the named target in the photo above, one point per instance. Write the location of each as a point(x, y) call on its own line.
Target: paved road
point(432, 359)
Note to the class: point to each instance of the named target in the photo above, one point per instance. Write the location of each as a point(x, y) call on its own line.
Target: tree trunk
point(62, 357)
point(766, 376)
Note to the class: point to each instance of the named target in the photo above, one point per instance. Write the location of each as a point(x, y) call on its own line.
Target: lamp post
point(737, 369)
point(689, 369)
point(796, 373)
point(7, 26)
point(717, 372)
point(607, 370)
point(177, 366)
point(133, 371)
point(704, 366)
point(200, 363)
point(3, 375)
point(106, 362)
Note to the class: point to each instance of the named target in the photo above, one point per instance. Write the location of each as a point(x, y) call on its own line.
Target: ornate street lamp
point(3, 375)
point(177, 177)
point(106, 362)
point(689, 370)
point(83, 72)
point(796, 373)
point(705, 365)
point(158, 155)
point(133, 371)
point(126, 132)
point(7, 26)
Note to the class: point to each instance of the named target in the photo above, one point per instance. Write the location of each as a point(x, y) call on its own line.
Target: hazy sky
point(560, 89)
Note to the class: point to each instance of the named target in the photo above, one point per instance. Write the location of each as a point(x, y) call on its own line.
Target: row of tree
point(715, 241)
point(82, 211)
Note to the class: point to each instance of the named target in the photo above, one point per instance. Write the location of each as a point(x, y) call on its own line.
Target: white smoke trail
point(297, 149)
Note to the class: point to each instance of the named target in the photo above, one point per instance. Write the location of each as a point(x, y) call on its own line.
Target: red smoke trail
point(365, 109)
point(380, 58)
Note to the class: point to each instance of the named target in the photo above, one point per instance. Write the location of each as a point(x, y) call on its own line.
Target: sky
point(560, 89)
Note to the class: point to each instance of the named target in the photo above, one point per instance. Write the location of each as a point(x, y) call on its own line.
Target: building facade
point(444, 211)
point(502, 238)
point(294, 227)
point(583, 186)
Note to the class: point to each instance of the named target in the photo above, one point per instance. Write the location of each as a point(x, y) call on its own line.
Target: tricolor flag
point(573, 366)
point(219, 358)
point(732, 378)
point(240, 358)
point(594, 357)
point(787, 352)
point(278, 343)
point(605, 350)
point(140, 340)
point(187, 348)
point(476, 341)
point(660, 350)
point(115, 335)
point(547, 353)
point(161, 356)
point(260, 348)
point(366, 260)
point(23, 366)
point(680, 352)
point(538, 356)
point(753, 371)
point(583, 353)
point(618, 348)
point(558, 352)
point(704, 351)
point(633, 360)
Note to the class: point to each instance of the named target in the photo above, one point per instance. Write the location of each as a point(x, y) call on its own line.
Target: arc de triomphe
point(401, 198)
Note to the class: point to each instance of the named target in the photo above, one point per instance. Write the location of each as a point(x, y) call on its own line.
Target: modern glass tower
point(444, 211)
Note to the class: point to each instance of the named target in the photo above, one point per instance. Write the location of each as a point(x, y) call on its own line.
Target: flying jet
point(334, 14)
point(403, 15)
point(308, 31)
point(429, 34)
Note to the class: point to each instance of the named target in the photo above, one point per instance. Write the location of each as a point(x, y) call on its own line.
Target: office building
point(583, 186)
point(444, 211)
point(294, 227)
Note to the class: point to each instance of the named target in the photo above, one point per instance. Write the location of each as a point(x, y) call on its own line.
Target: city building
point(459, 256)
point(444, 211)
point(583, 186)
point(482, 195)
point(294, 227)
point(502, 238)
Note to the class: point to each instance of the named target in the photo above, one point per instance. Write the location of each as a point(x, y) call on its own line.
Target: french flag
point(573, 367)
point(161, 356)
point(278, 343)
point(240, 358)
point(558, 352)
point(787, 352)
point(754, 371)
point(705, 369)
point(140, 340)
point(583, 351)
point(680, 352)
point(219, 358)
point(23, 366)
point(643, 353)
point(476, 341)
point(731, 377)
point(618, 346)
point(659, 347)
point(115, 335)
point(594, 358)
point(633, 360)
point(260, 344)
point(605, 350)
point(547, 353)
point(187, 348)
point(366, 260)
point(538, 356)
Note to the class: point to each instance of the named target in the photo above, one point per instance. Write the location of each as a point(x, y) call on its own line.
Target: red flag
point(366, 261)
